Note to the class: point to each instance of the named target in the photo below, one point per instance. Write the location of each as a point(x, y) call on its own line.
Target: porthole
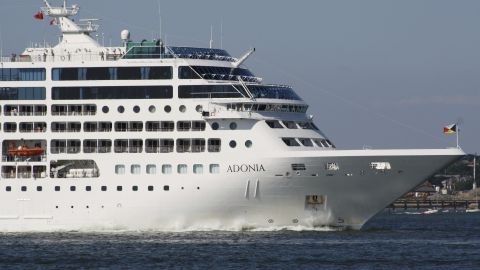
point(121, 109)
point(167, 109)
point(152, 109)
point(39, 188)
point(199, 108)
point(8, 188)
point(57, 188)
point(182, 108)
point(233, 144)
point(166, 188)
point(105, 109)
point(136, 109)
point(24, 188)
point(248, 143)
point(88, 188)
point(233, 125)
point(215, 125)
point(150, 188)
point(135, 188)
point(119, 188)
point(104, 188)
point(72, 188)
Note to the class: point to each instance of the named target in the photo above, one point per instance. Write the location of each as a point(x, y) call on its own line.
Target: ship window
point(233, 144)
point(72, 188)
point(159, 126)
point(183, 145)
point(151, 169)
point(214, 145)
point(184, 125)
point(24, 188)
point(182, 168)
point(186, 72)
point(332, 166)
point(22, 93)
point(135, 188)
point(105, 109)
point(22, 74)
point(135, 145)
point(211, 91)
point(290, 124)
point(88, 188)
point(150, 188)
point(120, 169)
point(8, 188)
point(215, 125)
point(111, 92)
point(166, 188)
point(166, 145)
point(136, 109)
point(10, 127)
point(121, 109)
point(152, 109)
point(198, 145)
point(119, 188)
point(290, 142)
point(248, 143)
point(58, 146)
point(198, 125)
point(111, 73)
point(39, 188)
point(167, 109)
point(9, 172)
point(197, 168)
point(318, 142)
point(73, 146)
point(152, 146)
point(24, 171)
point(57, 188)
point(214, 168)
point(233, 125)
point(274, 124)
point(330, 143)
point(103, 188)
point(306, 142)
point(26, 127)
point(273, 92)
point(90, 126)
point(39, 171)
point(182, 108)
point(166, 169)
point(135, 169)
point(90, 146)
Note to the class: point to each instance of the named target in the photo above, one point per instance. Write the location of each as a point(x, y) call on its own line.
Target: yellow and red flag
point(450, 129)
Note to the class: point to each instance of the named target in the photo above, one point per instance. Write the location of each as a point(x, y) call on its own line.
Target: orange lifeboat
point(25, 151)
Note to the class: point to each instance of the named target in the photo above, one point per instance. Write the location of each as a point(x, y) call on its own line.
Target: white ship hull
point(231, 201)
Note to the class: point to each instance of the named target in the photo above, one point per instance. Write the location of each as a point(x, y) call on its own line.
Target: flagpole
point(457, 133)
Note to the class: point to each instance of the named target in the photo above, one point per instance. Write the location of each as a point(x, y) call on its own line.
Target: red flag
point(39, 15)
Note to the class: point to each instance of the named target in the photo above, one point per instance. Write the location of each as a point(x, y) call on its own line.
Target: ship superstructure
point(150, 136)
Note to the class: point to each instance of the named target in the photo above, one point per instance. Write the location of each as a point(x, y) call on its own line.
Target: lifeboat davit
point(25, 151)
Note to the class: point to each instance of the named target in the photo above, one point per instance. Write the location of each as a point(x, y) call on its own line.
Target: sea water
point(399, 240)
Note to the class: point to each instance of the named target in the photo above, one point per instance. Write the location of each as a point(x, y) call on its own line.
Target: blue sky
point(386, 74)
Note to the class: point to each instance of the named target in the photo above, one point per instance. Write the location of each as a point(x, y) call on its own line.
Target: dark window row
point(25, 127)
point(295, 108)
point(213, 73)
point(74, 109)
point(22, 74)
point(291, 124)
point(112, 73)
point(195, 145)
point(87, 188)
point(22, 93)
point(24, 110)
point(112, 92)
point(273, 92)
point(308, 142)
point(211, 91)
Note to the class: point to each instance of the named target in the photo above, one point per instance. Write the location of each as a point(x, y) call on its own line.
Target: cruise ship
point(148, 136)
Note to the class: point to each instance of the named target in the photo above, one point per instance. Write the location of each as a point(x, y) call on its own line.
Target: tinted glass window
point(211, 91)
point(112, 92)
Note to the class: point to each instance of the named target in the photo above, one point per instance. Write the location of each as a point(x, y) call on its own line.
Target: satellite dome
point(125, 35)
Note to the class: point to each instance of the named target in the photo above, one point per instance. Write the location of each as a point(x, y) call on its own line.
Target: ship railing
point(128, 149)
point(214, 148)
point(9, 158)
point(159, 149)
point(65, 150)
point(99, 149)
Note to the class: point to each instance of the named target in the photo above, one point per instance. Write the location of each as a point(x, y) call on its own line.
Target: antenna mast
point(159, 19)
point(211, 36)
